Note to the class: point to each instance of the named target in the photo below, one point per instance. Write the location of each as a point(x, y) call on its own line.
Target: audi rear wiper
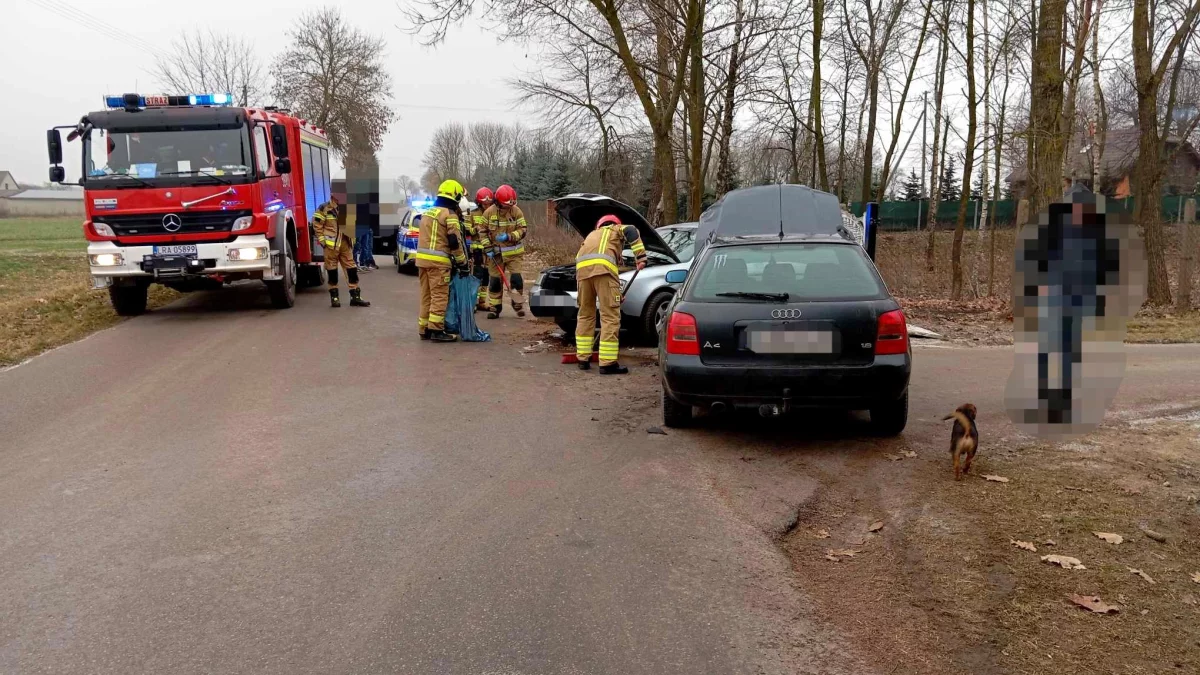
point(771, 297)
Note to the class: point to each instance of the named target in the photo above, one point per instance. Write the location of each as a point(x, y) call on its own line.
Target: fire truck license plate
point(177, 249)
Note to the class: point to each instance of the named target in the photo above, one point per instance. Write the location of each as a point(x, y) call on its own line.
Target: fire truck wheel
point(283, 292)
point(129, 300)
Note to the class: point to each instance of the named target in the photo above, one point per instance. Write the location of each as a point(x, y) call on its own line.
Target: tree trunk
point(886, 170)
point(1184, 303)
point(1045, 118)
point(935, 169)
point(696, 113)
point(869, 143)
point(960, 226)
point(725, 178)
point(1097, 123)
point(815, 98)
point(841, 172)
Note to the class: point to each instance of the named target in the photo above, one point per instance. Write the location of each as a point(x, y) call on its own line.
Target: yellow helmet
point(451, 189)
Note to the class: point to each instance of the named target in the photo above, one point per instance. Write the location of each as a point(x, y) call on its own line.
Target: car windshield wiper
point(772, 297)
point(120, 175)
point(197, 173)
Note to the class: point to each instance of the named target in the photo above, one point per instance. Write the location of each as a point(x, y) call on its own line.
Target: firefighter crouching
point(596, 276)
point(339, 249)
point(479, 244)
point(440, 252)
point(505, 230)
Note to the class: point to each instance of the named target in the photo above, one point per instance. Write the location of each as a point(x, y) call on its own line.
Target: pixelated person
point(1076, 282)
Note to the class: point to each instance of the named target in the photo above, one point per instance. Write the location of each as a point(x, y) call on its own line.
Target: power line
point(96, 25)
point(442, 107)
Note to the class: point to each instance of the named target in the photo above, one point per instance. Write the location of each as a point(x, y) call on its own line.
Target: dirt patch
point(942, 588)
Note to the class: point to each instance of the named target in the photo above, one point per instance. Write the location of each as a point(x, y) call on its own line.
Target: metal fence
point(899, 216)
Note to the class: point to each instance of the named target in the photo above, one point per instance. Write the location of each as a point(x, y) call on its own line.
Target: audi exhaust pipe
point(717, 407)
point(769, 411)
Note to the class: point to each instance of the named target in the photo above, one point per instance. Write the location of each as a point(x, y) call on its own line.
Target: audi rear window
point(805, 272)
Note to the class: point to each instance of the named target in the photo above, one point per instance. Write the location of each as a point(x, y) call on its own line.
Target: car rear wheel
point(654, 313)
point(675, 414)
point(889, 418)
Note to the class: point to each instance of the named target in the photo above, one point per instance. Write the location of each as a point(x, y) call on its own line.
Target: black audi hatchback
point(783, 309)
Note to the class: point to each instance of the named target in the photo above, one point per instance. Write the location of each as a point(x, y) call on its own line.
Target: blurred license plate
point(176, 249)
point(791, 342)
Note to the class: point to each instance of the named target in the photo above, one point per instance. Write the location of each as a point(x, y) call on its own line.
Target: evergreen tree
point(977, 189)
point(1006, 192)
point(912, 189)
point(948, 190)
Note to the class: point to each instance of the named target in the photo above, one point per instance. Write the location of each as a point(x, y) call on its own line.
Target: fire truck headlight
point(106, 259)
point(256, 253)
point(103, 230)
point(243, 223)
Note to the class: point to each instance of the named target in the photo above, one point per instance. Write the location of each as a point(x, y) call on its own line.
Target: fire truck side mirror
point(283, 165)
point(279, 144)
point(54, 145)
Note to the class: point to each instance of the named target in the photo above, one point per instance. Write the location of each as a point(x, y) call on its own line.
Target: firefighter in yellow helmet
point(505, 230)
point(597, 282)
point(338, 241)
point(440, 253)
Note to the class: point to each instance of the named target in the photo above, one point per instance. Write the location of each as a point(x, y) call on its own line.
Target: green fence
point(897, 216)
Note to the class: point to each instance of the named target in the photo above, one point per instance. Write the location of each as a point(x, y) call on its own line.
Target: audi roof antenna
point(780, 187)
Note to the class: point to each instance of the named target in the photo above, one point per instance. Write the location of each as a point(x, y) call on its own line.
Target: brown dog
point(964, 438)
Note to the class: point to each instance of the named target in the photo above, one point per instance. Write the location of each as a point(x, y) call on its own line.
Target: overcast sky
point(58, 57)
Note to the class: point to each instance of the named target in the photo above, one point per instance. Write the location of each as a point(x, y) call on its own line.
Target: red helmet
point(506, 195)
point(608, 220)
point(483, 197)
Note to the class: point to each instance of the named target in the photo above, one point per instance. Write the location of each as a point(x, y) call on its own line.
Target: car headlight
point(255, 253)
point(106, 259)
point(243, 223)
point(102, 229)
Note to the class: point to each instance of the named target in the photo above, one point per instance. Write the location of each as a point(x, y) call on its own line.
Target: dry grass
point(552, 244)
point(45, 289)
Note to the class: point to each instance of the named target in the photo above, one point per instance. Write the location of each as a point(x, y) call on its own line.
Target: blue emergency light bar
point(136, 101)
point(421, 203)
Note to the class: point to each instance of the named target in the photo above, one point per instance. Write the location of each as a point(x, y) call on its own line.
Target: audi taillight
point(681, 335)
point(891, 337)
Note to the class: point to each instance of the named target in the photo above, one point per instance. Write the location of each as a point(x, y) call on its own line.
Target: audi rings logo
point(171, 222)
point(785, 314)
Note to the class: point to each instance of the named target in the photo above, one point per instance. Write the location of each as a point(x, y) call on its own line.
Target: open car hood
point(582, 210)
point(778, 210)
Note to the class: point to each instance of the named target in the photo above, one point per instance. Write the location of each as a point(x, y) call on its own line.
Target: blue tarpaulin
point(460, 311)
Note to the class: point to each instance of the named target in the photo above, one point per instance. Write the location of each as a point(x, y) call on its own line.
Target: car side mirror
point(677, 276)
point(283, 165)
point(57, 174)
point(279, 145)
point(54, 145)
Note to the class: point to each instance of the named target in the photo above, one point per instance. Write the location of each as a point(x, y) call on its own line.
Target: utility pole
point(924, 151)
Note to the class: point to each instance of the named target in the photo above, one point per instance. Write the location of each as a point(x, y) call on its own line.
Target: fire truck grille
point(189, 222)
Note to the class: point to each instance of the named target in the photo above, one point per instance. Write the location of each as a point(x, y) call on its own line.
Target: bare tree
point(486, 152)
point(956, 274)
point(939, 142)
point(446, 156)
point(208, 61)
point(898, 112)
point(333, 74)
point(1045, 134)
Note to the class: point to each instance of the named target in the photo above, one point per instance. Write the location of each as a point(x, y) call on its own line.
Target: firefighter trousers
point(516, 284)
point(435, 294)
point(604, 290)
point(480, 270)
point(341, 254)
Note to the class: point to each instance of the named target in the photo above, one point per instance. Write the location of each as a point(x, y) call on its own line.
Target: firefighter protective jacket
point(603, 248)
point(440, 241)
point(325, 224)
point(475, 228)
point(511, 223)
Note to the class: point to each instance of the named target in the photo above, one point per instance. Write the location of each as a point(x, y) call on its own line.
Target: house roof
point(1120, 152)
point(8, 175)
point(72, 195)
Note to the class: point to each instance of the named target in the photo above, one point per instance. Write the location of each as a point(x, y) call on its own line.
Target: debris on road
point(1064, 561)
point(1196, 577)
point(1093, 603)
point(875, 526)
point(911, 454)
point(995, 479)
point(537, 347)
point(1028, 546)
point(917, 331)
point(656, 430)
point(1143, 575)
point(1110, 537)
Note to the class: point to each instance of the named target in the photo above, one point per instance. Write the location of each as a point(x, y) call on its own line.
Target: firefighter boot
point(441, 336)
point(584, 364)
point(356, 298)
point(494, 311)
point(334, 300)
point(613, 369)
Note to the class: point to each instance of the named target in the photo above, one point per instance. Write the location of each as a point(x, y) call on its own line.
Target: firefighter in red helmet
point(598, 283)
point(505, 230)
point(479, 243)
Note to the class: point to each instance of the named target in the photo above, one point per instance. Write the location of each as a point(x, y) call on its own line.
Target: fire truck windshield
point(130, 157)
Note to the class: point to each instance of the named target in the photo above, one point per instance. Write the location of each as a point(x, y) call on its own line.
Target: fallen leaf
point(1064, 561)
point(1110, 537)
point(1196, 577)
point(1143, 575)
point(833, 558)
point(909, 454)
point(893, 458)
point(1145, 612)
point(995, 479)
point(1156, 536)
point(822, 534)
point(1028, 546)
point(1050, 542)
point(656, 430)
point(1093, 603)
point(841, 552)
point(875, 526)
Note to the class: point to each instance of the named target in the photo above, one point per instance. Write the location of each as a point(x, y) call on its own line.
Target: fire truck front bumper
point(251, 256)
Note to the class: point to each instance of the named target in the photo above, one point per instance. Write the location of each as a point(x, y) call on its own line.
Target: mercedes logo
point(785, 314)
point(171, 222)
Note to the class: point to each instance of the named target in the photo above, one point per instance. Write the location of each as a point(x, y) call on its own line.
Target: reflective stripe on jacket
point(512, 223)
point(602, 249)
point(325, 224)
point(438, 226)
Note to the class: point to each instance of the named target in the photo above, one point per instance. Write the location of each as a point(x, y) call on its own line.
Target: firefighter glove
point(491, 253)
point(502, 237)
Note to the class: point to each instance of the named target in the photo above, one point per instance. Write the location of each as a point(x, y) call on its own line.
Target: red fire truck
point(193, 193)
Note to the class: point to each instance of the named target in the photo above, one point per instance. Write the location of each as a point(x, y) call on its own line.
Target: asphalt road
point(218, 487)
